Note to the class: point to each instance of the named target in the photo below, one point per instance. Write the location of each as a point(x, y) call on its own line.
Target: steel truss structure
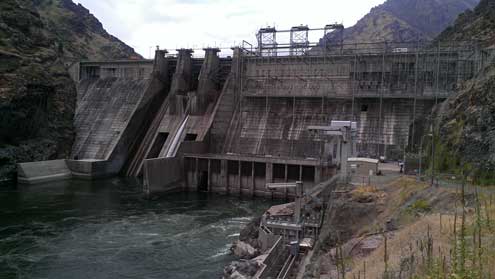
point(299, 40)
point(267, 41)
point(299, 43)
point(415, 75)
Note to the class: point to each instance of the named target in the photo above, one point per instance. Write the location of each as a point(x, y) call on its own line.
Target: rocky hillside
point(38, 40)
point(477, 24)
point(406, 20)
point(466, 121)
point(79, 33)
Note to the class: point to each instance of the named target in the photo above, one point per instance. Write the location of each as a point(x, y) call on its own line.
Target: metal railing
point(269, 265)
point(286, 269)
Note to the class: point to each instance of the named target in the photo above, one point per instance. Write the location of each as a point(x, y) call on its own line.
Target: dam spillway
point(248, 115)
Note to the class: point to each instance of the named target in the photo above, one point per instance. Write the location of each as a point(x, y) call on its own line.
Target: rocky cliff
point(38, 41)
point(466, 121)
point(477, 24)
point(405, 20)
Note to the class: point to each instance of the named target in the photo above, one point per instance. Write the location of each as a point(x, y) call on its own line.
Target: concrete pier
point(41, 172)
point(239, 175)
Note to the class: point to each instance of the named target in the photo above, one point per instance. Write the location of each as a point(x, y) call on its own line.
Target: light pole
point(421, 153)
point(420, 156)
point(432, 155)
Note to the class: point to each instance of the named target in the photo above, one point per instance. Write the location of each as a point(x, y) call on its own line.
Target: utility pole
point(420, 157)
point(432, 155)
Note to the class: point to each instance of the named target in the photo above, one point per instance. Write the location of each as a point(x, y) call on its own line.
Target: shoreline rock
point(249, 234)
point(244, 250)
point(243, 269)
point(247, 249)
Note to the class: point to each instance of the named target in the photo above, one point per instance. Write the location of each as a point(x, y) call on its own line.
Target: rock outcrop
point(243, 269)
point(477, 25)
point(38, 42)
point(249, 234)
point(244, 250)
point(466, 121)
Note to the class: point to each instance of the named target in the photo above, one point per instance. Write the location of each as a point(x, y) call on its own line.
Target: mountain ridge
point(405, 21)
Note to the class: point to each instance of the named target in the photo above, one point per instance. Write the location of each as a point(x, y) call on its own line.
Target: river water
point(106, 229)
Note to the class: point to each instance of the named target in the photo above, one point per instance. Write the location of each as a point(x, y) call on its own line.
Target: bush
point(420, 206)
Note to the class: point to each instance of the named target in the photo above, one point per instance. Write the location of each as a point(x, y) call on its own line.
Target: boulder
point(244, 250)
point(241, 269)
point(249, 234)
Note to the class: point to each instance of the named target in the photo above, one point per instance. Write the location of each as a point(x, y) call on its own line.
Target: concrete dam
point(233, 124)
point(276, 120)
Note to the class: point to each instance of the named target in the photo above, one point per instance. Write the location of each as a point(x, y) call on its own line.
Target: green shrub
point(420, 206)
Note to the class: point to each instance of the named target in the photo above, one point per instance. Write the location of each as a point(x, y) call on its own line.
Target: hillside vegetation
point(466, 121)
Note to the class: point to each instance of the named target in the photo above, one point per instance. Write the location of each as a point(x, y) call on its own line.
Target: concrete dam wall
point(259, 132)
point(115, 101)
point(105, 107)
point(279, 126)
point(233, 124)
point(386, 93)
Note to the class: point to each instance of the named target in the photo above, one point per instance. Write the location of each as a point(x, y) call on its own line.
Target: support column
point(186, 172)
point(298, 204)
point(345, 149)
point(317, 174)
point(207, 91)
point(286, 190)
point(239, 175)
point(224, 177)
point(300, 172)
point(209, 176)
point(160, 67)
point(269, 174)
point(181, 81)
point(253, 180)
point(196, 173)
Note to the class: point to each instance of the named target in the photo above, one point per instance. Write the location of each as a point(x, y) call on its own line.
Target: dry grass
point(365, 189)
point(422, 246)
point(367, 194)
point(434, 247)
point(403, 243)
point(392, 197)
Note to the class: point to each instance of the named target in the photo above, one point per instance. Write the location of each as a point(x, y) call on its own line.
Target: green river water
point(107, 229)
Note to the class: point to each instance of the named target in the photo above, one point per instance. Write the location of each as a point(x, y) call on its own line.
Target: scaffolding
point(267, 41)
point(299, 42)
point(389, 85)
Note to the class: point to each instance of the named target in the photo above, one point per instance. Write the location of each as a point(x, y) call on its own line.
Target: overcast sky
point(198, 23)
